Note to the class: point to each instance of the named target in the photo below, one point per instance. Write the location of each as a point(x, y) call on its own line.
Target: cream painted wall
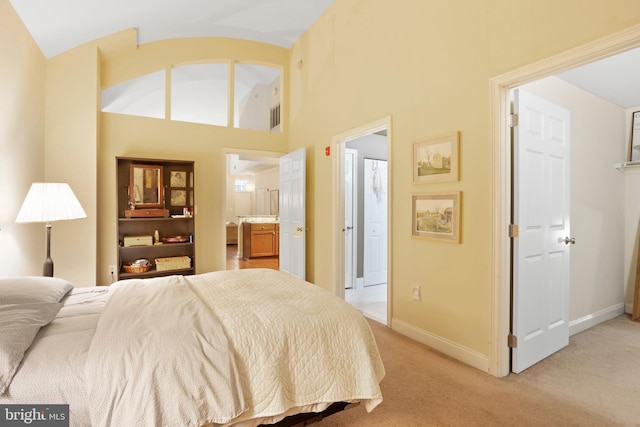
point(71, 148)
point(427, 64)
point(22, 115)
point(597, 197)
point(165, 139)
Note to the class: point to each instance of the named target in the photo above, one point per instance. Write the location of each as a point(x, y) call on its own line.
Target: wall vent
point(274, 117)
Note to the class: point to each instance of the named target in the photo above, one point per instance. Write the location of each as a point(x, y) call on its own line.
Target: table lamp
point(48, 202)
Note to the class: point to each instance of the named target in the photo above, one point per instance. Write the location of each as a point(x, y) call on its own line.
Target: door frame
point(500, 86)
point(338, 145)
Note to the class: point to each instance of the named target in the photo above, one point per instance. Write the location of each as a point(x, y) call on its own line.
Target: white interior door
point(293, 213)
point(350, 217)
point(541, 210)
point(375, 222)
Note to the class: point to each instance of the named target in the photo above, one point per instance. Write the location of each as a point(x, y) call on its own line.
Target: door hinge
point(512, 341)
point(514, 231)
point(513, 120)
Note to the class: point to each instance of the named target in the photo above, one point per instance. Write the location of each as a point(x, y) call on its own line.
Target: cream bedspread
point(295, 343)
point(159, 358)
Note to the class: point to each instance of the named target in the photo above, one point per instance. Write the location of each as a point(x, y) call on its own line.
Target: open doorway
point(363, 189)
point(252, 181)
point(597, 168)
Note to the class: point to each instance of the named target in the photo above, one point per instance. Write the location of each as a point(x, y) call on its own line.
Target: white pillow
point(19, 324)
point(19, 290)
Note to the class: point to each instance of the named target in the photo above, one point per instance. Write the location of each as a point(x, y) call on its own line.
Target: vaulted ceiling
point(58, 26)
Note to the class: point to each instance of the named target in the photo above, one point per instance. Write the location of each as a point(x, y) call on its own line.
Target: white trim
point(621, 41)
point(450, 348)
point(338, 147)
point(586, 322)
point(628, 308)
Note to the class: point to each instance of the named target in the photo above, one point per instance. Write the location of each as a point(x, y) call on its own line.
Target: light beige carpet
point(595, 381)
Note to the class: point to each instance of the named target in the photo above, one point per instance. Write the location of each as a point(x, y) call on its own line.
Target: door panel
point(541, 210)
point(292, 213)
point(375, 222)
point(350, 217)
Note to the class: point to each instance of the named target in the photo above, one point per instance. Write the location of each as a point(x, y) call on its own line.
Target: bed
point(227, 348)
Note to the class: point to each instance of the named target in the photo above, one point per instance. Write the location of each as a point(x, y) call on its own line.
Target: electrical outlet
point(112, 270)
point(416, 293)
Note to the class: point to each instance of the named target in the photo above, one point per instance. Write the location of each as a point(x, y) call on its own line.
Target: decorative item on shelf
point(146, 186)
point(138, 266)
point(178, 197)
point(146, 213)
point(137, 241)
point(178, 178)
point(175, 239)
point(156, 237)
point(173, 263)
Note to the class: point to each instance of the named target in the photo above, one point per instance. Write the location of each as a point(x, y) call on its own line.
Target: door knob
point(568, 240)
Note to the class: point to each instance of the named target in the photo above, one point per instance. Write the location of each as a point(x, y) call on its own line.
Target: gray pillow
point(19, 324)
point(19, 290)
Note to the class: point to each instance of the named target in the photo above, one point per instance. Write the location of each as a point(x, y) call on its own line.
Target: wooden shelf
point(182, 194)
point(155, 273)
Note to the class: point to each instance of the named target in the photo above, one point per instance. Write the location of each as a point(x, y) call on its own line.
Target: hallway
point(370, 300)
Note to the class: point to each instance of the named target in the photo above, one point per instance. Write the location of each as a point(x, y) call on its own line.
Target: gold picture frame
point(436, 160)
point(437, 216)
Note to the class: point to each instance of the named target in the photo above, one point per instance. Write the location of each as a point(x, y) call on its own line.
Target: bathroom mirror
point(145, 189)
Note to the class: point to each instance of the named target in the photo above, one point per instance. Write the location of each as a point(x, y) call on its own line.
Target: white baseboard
point(586, 322)
point(461, 353)
point(481, 361)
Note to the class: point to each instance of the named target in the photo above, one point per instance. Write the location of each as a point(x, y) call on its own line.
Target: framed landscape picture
point(436, 160)
point(437, 216)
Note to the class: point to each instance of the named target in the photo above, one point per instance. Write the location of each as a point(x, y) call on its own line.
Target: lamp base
point(47, 267)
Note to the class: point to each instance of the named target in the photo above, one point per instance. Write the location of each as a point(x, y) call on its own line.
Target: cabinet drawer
point(263, 227)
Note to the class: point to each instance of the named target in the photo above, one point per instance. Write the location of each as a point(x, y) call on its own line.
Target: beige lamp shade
point(48, 202)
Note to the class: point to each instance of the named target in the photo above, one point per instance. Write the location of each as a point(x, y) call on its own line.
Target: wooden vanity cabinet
point(260, 240)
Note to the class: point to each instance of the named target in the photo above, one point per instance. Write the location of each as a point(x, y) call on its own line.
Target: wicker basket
point(136, 267)
point(173, 263)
